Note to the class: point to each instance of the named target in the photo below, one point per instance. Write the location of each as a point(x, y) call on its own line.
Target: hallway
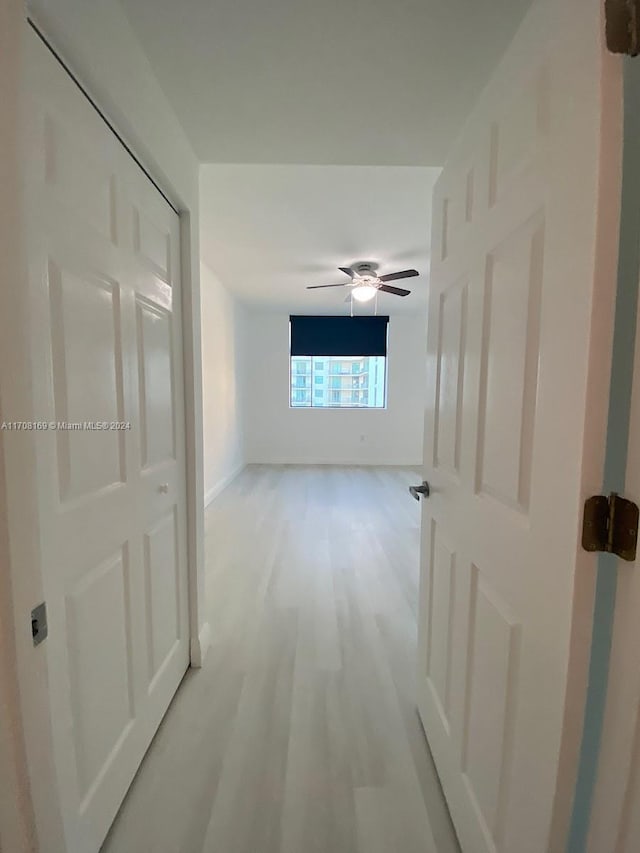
point(300, 733)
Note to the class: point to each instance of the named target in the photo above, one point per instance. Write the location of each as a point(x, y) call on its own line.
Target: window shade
point(338, 335)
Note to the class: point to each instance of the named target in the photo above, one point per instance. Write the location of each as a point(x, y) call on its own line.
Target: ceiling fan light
point(364, 292)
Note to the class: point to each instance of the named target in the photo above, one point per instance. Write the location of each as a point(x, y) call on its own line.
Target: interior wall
point(223, 350)
point(278, 434)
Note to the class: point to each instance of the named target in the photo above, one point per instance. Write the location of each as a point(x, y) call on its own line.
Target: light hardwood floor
point(300, 734)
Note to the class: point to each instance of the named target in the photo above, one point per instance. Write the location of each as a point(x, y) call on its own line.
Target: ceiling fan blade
point(398, 291)
point(393, 276)
point(348, 271)
point(317, 286)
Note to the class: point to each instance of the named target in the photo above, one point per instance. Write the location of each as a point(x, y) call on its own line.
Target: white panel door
point(520, 212)
point(107, 383)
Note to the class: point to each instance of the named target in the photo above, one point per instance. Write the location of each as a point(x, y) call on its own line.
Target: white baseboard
point(222, 484)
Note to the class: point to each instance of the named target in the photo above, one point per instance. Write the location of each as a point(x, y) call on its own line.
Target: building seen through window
point(343, 382)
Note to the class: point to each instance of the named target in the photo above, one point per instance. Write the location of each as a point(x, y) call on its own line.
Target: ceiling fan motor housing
point(366, 268)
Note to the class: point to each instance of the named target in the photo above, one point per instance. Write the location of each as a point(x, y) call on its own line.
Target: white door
point(104, 282)
point(519, 335)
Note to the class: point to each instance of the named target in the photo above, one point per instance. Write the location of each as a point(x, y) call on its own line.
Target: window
point(300, 397)
point(343, 382)
point(338, 362)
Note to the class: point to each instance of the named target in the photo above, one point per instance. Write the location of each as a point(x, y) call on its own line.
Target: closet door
point(107, 388)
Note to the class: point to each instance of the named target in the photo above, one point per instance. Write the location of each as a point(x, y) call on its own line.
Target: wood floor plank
point(300, 734)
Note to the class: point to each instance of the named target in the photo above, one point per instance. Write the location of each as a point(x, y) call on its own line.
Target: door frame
point(31, 809)
point(612, 723)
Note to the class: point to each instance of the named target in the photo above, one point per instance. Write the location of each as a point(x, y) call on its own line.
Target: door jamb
point(617, 450)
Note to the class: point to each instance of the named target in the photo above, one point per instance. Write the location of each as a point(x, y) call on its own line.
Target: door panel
point(79, 180)
point(98, 609)
point(509, 449)
point(450, 382)
point(490, 688)
point(80, 350)
point(107, 360)
point(509, 365)
point(162, 577)
point(442, 603)
point(152, 244)
point(156, 391)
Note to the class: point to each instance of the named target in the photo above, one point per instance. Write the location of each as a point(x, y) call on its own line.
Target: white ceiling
point(364, 82)
point(268, 231)
point(354, 101)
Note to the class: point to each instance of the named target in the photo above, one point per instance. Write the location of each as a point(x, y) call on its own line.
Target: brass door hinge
point(610, 524)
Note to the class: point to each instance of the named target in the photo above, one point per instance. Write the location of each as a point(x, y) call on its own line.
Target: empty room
point(319, 426)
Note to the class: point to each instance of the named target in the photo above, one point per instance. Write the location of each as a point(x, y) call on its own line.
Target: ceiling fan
point(365, 281)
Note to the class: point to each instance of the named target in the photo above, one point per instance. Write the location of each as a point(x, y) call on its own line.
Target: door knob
point(424, 490)
point(163, 488)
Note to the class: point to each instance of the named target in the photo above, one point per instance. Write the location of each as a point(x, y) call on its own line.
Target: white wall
point(275, 433)
point(223, 351)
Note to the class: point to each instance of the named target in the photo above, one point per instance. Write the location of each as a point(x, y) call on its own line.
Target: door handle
point(163, 488)
point(424, 490)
